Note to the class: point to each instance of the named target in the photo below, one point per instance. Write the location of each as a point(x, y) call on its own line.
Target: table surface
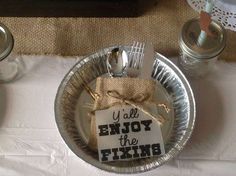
point(31, 144)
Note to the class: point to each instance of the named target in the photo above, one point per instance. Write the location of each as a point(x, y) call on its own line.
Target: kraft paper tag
point(126, 133)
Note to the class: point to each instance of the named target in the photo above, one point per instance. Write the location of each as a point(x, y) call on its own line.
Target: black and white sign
point(126, 133)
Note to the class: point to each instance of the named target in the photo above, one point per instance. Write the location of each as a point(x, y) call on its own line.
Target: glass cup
point(11, 66)
point(197, 60)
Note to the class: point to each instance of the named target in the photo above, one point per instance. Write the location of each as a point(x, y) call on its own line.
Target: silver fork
point(135, 60)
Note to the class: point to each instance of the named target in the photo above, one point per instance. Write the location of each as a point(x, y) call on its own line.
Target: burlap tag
point(133, 89)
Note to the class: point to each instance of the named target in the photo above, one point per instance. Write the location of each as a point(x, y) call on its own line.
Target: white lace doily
point(224, 11)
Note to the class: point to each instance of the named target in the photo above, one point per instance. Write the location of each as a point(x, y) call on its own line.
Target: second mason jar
point(11, 66)
point(197, 60)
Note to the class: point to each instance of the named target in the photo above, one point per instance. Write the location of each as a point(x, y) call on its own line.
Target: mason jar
point(199, 59)
point(11, 66)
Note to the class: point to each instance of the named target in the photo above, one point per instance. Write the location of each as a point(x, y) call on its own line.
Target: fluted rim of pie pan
point(171, 78)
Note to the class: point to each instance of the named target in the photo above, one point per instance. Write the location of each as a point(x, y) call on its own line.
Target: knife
point(148, 60)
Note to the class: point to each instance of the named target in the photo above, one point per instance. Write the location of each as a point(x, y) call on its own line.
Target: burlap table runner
point(81, 36)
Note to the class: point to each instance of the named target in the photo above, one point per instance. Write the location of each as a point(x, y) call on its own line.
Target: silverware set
point(137, 62)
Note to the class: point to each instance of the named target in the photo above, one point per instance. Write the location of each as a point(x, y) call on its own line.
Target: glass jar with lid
point(11, 67)
point(196, 59)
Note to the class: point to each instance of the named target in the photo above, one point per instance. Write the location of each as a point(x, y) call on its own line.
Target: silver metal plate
point(74, 124)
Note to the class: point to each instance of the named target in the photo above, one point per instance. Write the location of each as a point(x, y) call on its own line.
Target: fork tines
point(136, 55)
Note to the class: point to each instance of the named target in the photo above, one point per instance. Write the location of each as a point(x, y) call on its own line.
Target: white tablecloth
point(30, 143)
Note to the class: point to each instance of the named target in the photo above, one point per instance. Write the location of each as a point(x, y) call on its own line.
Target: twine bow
point(140, 98)
point(136, 102)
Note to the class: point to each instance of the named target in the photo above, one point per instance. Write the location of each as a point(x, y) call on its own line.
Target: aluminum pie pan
point(71, 90)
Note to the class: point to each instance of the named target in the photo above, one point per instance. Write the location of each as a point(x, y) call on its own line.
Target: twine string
point(136, 102)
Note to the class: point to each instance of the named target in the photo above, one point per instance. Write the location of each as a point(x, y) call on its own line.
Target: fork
point(135, 60)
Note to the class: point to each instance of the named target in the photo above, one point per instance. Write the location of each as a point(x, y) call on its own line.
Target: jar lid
point(212, 46)
point(6, 41)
